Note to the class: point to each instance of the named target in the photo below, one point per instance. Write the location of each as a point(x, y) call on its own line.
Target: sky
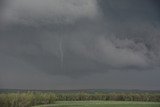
point(80, 44)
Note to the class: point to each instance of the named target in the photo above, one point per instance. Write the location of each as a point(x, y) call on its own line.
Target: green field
point(101, 104)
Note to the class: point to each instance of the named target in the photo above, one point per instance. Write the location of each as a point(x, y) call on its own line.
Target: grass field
point(101, 104)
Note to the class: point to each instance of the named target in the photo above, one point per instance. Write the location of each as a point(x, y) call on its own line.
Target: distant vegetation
point(109, 97)
point(28, 99)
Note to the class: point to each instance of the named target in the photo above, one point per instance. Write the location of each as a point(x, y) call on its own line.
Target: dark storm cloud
point(73, 38)
point(34, 36)
point(1, 9)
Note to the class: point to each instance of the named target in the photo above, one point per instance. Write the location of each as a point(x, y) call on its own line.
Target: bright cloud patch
point(50, 11)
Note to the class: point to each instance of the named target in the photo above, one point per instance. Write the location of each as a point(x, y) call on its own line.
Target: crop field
point(102, 104)
point(79, 99)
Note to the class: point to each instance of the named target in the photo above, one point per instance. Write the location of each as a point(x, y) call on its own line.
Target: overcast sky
point(80, 44)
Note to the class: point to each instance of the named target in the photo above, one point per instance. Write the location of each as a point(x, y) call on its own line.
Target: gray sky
point(79, 44)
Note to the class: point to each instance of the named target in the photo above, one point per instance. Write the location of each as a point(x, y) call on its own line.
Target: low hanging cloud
point(115, 54)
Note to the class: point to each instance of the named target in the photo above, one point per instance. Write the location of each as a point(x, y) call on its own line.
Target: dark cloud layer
point(69, 38)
